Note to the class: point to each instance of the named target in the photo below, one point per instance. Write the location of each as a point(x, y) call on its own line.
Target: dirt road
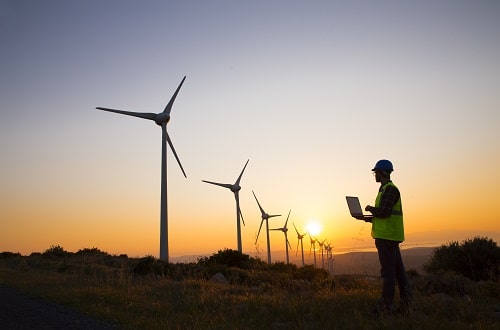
point(18, 311)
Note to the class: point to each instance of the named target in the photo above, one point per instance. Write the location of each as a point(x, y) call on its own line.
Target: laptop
point(355, 207)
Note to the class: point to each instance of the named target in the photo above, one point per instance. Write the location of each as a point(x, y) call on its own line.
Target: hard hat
point(383, 165)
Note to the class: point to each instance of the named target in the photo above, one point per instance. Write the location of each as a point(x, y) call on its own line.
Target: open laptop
point(355, 207)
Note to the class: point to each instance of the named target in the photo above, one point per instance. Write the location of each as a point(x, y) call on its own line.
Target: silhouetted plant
point(148, 265)
point(309, 273)
point(230, 258)
point(8, 255)
point(91, 252)
point(477, 259)
point(55, 251)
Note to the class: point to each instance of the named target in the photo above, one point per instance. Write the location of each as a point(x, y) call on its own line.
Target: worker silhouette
point(388, 232)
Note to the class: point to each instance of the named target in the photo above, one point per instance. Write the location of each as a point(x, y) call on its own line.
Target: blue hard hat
point(383, 165)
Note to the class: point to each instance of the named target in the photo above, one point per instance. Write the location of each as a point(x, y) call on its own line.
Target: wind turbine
point(313, 247)
point(299, 239)
point(235, 188)
point(160, 119)
point(265, 217)
point(329, 257)
point(321, 243)
point(284, 229)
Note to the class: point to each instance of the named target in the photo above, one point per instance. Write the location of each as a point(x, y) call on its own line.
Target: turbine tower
point(235, 188)
point(299, 239)
point(160, 119)
point(284, 229)
point(265, 217)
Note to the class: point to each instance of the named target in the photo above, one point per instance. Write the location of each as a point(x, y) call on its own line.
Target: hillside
point(362, 262)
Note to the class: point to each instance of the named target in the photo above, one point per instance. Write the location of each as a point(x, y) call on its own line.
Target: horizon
point(278, 255)
point(313, 96)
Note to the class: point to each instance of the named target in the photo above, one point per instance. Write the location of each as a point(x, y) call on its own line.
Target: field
point(230, 292)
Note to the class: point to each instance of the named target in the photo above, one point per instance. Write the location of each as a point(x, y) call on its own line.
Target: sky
point(312, 93)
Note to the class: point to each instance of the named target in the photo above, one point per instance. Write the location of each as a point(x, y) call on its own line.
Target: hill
point(361, 262)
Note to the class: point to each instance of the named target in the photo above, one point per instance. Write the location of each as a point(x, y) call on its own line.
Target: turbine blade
point(286, 222)
point(237, 198)
point(274, 215)
point(296, 230)
point(239, 178)
point(260, 227)
point(168, 108)
point(288, 242)
point(241, 217)
point(173, 150)
point(260, 207)
point(144, 115)
point(225, 185)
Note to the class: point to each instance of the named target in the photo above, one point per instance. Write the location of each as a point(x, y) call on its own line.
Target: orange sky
point(313, 95)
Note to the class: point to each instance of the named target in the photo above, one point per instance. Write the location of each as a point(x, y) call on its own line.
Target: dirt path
point(18, 311)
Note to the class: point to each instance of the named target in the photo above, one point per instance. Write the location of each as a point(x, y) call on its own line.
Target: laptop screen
point(354, 206)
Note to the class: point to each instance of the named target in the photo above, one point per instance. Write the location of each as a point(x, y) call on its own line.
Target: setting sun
point(313, 228)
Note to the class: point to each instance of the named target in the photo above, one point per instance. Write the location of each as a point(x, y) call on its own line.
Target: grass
point(148, 294)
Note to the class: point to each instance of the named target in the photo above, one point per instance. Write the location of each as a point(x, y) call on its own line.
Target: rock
point(219, 278)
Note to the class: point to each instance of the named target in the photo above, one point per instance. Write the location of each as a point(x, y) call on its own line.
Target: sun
point(313, 228)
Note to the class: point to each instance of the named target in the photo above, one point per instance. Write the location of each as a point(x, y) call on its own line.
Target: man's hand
point(364, 218)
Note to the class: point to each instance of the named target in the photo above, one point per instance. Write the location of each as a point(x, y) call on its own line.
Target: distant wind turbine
point(329, 258)
point(235, 188)
point(299, 239)
point(161, 119)
point(313, 247)
point(284, 229)
point(265, 217)
point(321, 243)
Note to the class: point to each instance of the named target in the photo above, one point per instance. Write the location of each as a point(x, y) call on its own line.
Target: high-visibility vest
point(390, 228)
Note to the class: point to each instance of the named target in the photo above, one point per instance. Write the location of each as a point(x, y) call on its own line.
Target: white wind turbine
point(235, 188)
point(265, 217)
point(284, 229)
point(160, 119)
point(299, 239)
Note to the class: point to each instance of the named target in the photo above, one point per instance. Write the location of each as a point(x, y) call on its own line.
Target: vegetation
point(230, 290)
point(477, 259)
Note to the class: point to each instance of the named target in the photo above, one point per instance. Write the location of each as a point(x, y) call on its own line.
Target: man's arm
point(389, 198)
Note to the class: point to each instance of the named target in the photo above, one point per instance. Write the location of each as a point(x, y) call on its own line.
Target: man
point(388, 232)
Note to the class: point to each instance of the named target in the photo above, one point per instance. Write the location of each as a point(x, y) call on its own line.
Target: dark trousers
point(392, 269)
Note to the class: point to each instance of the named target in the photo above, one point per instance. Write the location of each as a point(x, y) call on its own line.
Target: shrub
point(148, 265)
point(9, 255)
point(228, 257)
point(477, 259)
point(55, 251)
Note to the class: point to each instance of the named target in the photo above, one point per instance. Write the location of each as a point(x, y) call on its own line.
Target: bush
point(477, 259)
point(9, 255)
point(148, 265)
point(55, 251)
point(230, 258)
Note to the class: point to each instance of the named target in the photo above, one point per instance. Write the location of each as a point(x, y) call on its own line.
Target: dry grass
point(146, 294)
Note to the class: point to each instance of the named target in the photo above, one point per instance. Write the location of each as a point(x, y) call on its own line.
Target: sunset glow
point(313, 95)
point(314, 228)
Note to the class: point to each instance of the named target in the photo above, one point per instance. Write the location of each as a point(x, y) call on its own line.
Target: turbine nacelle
point(162, 118)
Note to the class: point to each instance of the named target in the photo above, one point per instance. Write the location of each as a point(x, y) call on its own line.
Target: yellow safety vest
point(390, 228)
